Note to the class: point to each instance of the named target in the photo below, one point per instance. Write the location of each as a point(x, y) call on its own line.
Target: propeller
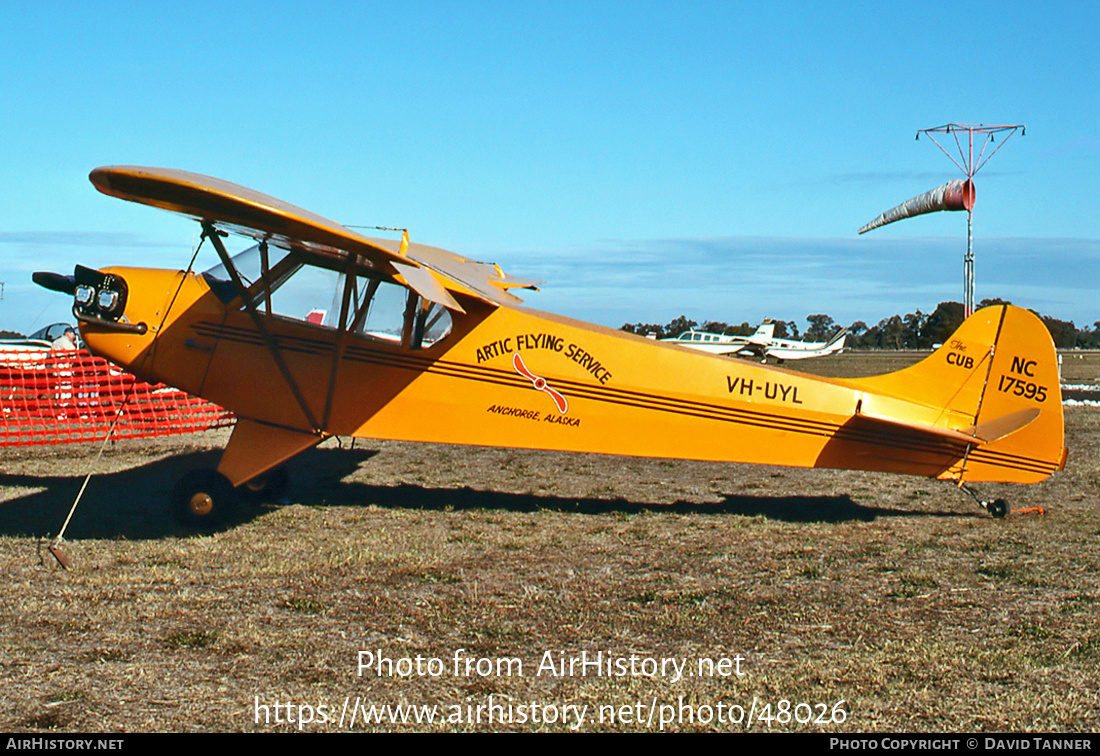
point(54, 281)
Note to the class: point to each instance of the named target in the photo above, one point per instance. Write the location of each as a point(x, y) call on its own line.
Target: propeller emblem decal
point(539, 383)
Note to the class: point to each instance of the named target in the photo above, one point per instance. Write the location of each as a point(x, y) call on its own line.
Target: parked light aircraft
point(34, 348)
point(420, 344)
point(762, 343)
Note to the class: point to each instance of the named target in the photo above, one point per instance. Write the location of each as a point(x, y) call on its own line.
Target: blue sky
point(645, 159)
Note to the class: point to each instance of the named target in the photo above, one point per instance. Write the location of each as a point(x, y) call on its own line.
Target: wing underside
point(235, 208)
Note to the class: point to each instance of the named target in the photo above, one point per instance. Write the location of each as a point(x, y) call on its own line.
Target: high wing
point(245, 211)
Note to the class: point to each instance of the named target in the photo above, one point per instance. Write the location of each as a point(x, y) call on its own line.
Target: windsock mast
point(958, 194)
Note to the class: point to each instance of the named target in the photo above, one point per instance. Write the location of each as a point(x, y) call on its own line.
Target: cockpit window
point(297, 286)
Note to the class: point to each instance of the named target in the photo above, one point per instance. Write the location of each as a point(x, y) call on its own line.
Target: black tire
point(998, 508)
point(204, 499)
point(270, 486)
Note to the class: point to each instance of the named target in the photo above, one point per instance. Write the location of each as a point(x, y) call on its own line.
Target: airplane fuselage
point(511, 376)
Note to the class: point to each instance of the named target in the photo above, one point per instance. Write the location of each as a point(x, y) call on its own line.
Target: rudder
point(1023, 377)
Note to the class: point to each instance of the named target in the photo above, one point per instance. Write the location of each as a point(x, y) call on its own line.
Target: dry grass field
point(839, 601)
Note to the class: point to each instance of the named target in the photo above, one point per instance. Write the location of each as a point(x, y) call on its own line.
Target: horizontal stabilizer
point(998, 428)
point(966, 436)
point(954, 195)
point(982, 433)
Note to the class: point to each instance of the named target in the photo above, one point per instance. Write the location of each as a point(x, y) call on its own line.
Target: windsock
point(954, 195)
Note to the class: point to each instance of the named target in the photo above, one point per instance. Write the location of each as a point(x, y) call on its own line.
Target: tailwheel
point(997, 508)
point(271, 486)
point(204, 499)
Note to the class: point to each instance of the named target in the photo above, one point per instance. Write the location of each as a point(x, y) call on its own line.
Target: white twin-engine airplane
point(762, 344)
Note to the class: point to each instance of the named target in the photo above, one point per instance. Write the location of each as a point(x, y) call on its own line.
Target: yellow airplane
point(319, 331)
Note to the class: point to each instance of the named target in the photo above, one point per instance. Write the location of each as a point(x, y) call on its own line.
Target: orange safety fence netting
point(61, 397)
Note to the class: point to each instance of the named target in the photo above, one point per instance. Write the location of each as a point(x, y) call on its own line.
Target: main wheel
point(204, 499)
point(270, 487)
point(998, 508)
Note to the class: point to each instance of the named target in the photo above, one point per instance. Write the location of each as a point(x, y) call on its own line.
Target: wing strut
point(341, 334)
point(211, 232)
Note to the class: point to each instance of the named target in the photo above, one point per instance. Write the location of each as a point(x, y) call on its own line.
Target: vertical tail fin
point(765, 330)
point(996, 379)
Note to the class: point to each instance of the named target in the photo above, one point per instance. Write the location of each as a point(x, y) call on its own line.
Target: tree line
point(915, 330)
